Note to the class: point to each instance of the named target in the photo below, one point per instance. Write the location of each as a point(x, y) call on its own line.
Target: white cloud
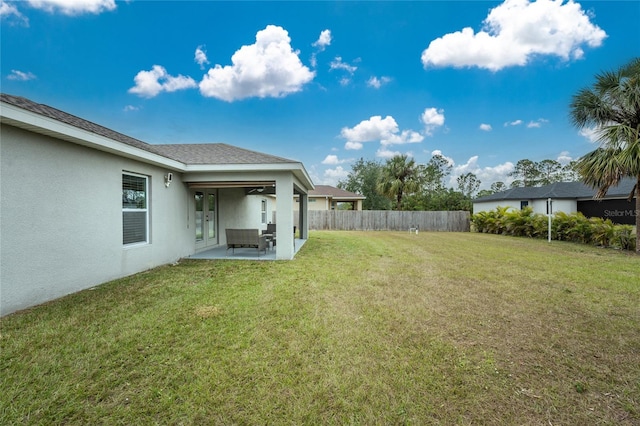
point(377, 83)
point(448, 159)
point(486, 127)
point(200, 57)
point(332, 176)
point(151, 83)
point(21, 76)
point(323, 41)
point(345, 81)
point(333, 160)
point(591, 133)
point(537, 123)
point(564, 158)
point(386, 131)
point(267, 68)
point(353, 145)
point(513, 123)
point(516, 31)
point(10, 12)
point(74, 7)
point(406, 136)
point(489, 175)
point(486, 175)
point(375, 128)
point(337, 64)
point(432, 118)
point(383, 152)
point(131, 108)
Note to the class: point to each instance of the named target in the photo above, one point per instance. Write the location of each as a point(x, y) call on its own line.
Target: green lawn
point(361, 328)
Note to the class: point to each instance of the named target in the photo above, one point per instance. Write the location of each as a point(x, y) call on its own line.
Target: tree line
point(402, 184)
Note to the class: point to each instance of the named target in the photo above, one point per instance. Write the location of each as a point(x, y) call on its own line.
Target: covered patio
point(234, 188)
point(221, 252)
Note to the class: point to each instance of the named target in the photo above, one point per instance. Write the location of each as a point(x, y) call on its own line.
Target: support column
point(284, 217)
point(303, 219)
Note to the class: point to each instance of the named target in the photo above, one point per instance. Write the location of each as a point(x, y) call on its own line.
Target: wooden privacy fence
point(387, 220)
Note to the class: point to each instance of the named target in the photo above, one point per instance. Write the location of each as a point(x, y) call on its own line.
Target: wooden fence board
point(387, 220)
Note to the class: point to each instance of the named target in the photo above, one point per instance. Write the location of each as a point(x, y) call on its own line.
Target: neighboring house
point(325, 197)
point(568, 197)
point(82, 204)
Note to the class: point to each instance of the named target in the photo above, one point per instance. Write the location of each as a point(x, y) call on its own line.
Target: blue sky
point(484, 84)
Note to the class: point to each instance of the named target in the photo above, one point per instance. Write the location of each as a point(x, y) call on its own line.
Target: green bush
point(624, 237)
point(574, 227)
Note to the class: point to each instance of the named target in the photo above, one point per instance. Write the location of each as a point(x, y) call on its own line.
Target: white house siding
point(492, 205)
point(566, 206)
point(62, 231)
point(538, 206)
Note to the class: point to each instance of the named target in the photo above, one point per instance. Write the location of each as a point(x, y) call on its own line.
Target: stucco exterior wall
point(315, 203)
point(538, 206)
point(566, 206)
point(61, 219)
point(237, 210)
point(492, 205)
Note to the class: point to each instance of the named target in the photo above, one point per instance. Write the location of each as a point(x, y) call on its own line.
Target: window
point(263, 211)
point(135, 209)
point(523, 204)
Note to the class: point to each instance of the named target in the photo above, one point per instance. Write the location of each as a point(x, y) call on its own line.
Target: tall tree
point(570, 172)
point(526, 172)
point(498, 187)
point(399, 177)
point(434, 173)
point(612, 107)
point(550, 172)
point(363, 179)
point(468, 184)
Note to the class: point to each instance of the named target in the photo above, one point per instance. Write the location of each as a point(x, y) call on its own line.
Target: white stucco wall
point(538, 206)
point(61, 219)
point(237, 210)
point(492, 205)
point(566, 206)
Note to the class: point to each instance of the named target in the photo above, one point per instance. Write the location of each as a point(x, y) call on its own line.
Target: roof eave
point(295, 167)
point(27, 120)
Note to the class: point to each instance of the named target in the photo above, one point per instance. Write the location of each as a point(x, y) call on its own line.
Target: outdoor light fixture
point(168, 178)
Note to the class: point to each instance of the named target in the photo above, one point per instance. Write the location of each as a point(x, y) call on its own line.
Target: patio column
point(284, 217)
point(303, 220)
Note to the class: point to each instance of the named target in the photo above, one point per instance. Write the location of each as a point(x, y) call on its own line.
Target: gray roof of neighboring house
point(333, 192)
point(559, 190)
point(206, 153)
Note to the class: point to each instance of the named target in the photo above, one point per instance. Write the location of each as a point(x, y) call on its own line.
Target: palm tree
point(399, 177)
point(612, 108)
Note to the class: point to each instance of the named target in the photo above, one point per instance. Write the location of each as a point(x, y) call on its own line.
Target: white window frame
point(263, 211)
point(144, 210)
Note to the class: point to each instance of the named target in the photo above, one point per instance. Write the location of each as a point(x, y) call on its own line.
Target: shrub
point(490, 222)
point(603, 231)
point(624, 237)
point(574, 227)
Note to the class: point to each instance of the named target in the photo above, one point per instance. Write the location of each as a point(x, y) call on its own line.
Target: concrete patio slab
point(221, 252)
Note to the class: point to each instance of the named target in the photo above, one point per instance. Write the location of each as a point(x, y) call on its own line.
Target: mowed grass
point(361, 328)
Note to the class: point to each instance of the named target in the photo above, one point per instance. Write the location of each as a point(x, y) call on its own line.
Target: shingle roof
point(211, 153)
point(330, 191)
point(559, 190)
point(216, 153)
point(72, 120)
